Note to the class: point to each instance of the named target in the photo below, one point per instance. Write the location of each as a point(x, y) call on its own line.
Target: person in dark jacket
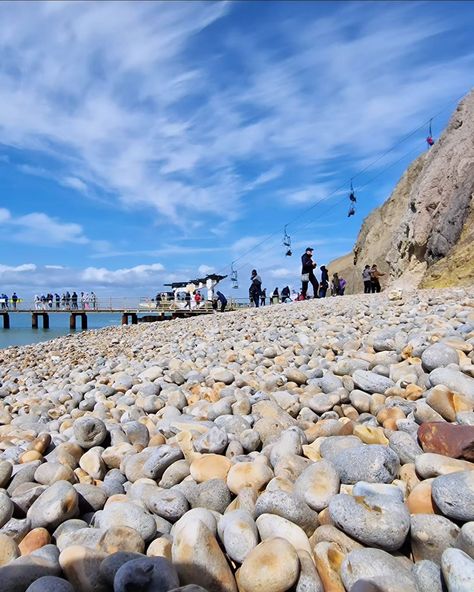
point(255, 288)
point(324, 285)
point(307, 273)
point(222, 299)
point(285, 294)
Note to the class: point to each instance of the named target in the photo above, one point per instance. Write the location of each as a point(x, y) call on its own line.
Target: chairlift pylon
point(234, 277)
point(287, 242)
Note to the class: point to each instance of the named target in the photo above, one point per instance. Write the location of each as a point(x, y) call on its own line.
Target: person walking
point(366, 278)
point(324, 285)
point(263, 297)
point(307, 273)
point(255, 288)
point(375, 274)
point(276, 296)
point(188, 300)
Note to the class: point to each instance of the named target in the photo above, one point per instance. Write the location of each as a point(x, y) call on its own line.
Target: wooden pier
point(128, 316)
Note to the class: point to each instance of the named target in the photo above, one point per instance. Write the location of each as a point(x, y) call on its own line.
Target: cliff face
point(423, 234)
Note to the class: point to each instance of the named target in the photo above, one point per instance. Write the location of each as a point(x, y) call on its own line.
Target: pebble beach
point(319, 446)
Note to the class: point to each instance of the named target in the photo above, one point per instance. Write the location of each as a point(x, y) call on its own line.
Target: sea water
point(21, 333)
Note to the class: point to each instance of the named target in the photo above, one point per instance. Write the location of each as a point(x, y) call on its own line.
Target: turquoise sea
point(21, 333)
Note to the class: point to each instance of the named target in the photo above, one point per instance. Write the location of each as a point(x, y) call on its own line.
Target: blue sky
point(142, 143)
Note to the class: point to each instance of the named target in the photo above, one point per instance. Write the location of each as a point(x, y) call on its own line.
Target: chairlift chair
point(234, 277)
point(429, 139)
point(353, 200)
point(287, 243)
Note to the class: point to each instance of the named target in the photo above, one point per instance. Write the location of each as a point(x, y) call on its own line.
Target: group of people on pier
point(66, 301)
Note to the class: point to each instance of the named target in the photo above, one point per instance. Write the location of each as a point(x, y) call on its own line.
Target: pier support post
point(134, 318)
point(125, 319)
point(72, 322)
point(6, 320)
point(34, 319)
point(83, 321)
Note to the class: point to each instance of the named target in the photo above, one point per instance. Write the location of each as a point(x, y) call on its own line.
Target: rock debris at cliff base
point(318, 446)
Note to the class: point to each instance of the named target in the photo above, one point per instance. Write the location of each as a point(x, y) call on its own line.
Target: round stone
point(147, 574)
point(238, 533)
point(89, 432)
point(374, 564)
point(458, 570)
point(6, 508)
point(271, 526)
point(317, 484)
point(8, 549)
point(289, 506)
point(431, 535)
point(55, 505)
point(127, 514)
point(375, 520)
point(438, 355)
point(50, 584)
point(454, 495)
point(272, 565)
point(373, 463)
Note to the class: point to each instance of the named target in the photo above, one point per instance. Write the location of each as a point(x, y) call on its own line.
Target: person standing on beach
point(367, 280)
point(324, 285)
point(255, 288)
point(263, 297)
point(375, 274)
point(307, 273)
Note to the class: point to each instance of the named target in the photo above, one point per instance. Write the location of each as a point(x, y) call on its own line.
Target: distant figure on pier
point(158, 300)
point(37, 302)
point(276, 296)
point(366, 278)
point(375, 274)
point(4, 301)
point(14, 299)
point(93, 299)
point(68, 299)
point(263, 297)
point(57, 299)
point(197, 298)
point(285, 294)
point(255, 287)
point(324, 285)
point(74, 300)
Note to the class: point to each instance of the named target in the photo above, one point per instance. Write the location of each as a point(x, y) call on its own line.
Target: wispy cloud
point(128, 100)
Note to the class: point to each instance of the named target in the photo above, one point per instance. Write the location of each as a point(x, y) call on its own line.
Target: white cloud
point(25, 267)
point(74, 183)
point(38, 228)
point(29, 277)
point(206, 269)
point(126, 276)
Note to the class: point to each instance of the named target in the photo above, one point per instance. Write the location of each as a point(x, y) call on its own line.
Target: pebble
point(50, 584)
point(271, 526)
point(289, 506)
point(458, 570)
point(272, 565)
point(148, 574)
point(431, 535)
point(55, 505)
point(372, 564)
point(454, 495)
point(372, 463)
point(318, 484)
point(374, 520)
point(8, 549)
